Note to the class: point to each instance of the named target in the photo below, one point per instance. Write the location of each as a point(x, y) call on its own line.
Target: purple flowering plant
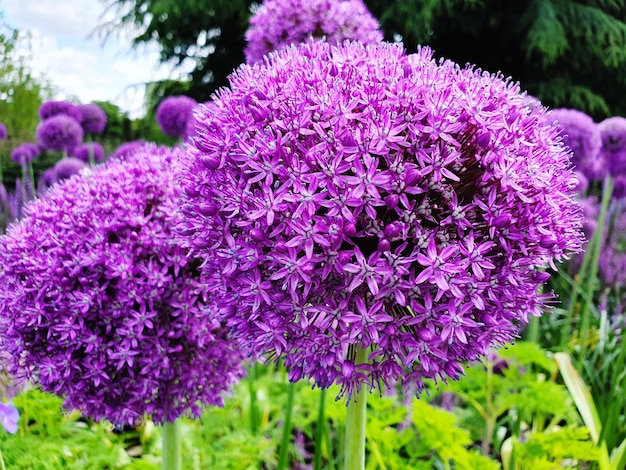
point(59, 133)
point(54, 108)
point(174, 114)
point(99, 303)
point(3, 131)
point(280, 23)
point(93, 119)
point(582, 136)
point(355, 198)
point(88, 151)
point(25, 153)
point(613, 135)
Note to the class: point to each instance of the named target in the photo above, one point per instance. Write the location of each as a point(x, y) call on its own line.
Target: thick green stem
point(254, 413)
point(319, 432)
point(594, 248)
point(355, 424)
point(284, 446)
point(172, 442)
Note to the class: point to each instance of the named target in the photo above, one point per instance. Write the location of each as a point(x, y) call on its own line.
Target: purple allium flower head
point(55, 108)
point(93, 118)
point(3, 131)
point(353, 196)
point(25, 153)
point(59, 133)
point(280, 23)
point(128, 148)
point(102, 306)
point(68, 167)
point(582, 135)
point(9, 417)
point(613, 133)
point(619, 190)
point(83, 150)
point(47, 179)
point(174, 113)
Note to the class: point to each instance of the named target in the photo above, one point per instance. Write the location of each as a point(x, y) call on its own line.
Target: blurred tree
point(206, 35)
point(21, 92)
point(568, 53)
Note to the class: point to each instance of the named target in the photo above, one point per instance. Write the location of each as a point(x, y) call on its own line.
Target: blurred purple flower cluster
point(356, 197)
point(280, 23)
point(174, 114)
point(99, 303)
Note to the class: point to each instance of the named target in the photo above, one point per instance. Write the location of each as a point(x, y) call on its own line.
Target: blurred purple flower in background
point(174, 113)
point(101, 305)
point(68, 167)
point(128, 148)
point(9, 417)
point(25, 153)
point(93, 119)
point(83, 151)
point(60, 133)
point(613, 134)
point(351, 196)
point(280, 23)
point(55, 108)
point(582, 135)
point(3, 131)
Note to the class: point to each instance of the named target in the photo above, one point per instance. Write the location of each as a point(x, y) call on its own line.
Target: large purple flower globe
point(54, 108)
point(101, 305)
point(89, 149)
point(582, 135)
point(613, 134)
point(280, 23)
point(92, 118)
point(174, 113)
point(355, 197)
point(60, 133)
point(25, 153)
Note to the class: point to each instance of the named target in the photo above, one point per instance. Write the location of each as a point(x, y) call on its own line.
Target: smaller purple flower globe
point(83, 152)
point(68, 167)
point(101, 304)
point(93, 118)
point(60, 133)
point(613, 134)
point(280, 23)
point(174, 113)
point(25, 153)
point(55, 108)
point(128, 148)
point(582, 136)
point(348, 198)
point(3, 131)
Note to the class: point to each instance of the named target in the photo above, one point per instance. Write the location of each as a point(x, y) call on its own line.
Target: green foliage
point(562, 448)
point(21, 92)
point(569, 53)
point(207, 34)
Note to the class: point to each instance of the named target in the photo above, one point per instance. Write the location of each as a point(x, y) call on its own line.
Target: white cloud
point(77, 64)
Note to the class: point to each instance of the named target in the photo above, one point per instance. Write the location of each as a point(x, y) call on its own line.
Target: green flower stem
point(2, 467)
point(172, 443)
point(31, 175)
point(355, 424)
point(284, 445)
point(590, 261)
point(254, 412)
point(319, 432)
point(594, 248)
